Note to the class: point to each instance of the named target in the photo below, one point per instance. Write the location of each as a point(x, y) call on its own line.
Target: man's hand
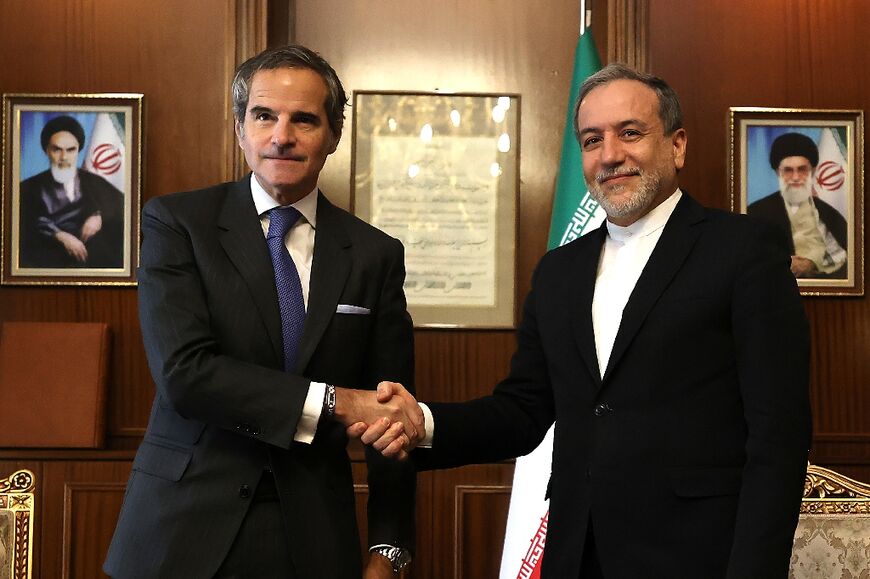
point(73, 245)
point(379, 567)
point(390, 420)
point(92, 226)
point(802, 267)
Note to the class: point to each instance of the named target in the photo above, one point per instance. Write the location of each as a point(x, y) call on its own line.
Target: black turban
point(58, 124)
point(793, 145)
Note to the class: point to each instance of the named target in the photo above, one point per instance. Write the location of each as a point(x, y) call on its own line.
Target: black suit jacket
point(688, 457)
point(224, 409)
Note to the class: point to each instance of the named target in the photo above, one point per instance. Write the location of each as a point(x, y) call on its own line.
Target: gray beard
point(796, 195)
point(642, 198)
point(63, 175)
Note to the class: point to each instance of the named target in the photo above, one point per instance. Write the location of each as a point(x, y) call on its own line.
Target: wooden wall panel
point(90, 510)
point(781, 53)
point(181, 56)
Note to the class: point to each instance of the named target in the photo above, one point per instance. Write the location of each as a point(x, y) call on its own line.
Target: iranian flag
point(107, 153)
point(831, 185)
point(574, 213)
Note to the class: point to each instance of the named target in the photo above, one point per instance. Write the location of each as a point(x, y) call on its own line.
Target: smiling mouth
point(617, 177)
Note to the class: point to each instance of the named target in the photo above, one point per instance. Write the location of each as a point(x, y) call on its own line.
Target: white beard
point(647, 189)
point(795, 195)
point(63, 175)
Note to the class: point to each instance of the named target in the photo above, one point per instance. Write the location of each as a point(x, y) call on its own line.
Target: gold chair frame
point(831, 539)
point(16, 513)
point(828, 492)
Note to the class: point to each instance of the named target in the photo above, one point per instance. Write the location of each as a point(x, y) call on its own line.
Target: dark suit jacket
point(772, 208)
point(224, 409)
point(38, 246)
point(689, 455)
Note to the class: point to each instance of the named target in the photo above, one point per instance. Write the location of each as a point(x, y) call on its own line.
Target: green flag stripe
point(572, 205)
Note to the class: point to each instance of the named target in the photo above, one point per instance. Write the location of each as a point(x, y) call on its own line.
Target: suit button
point(255, 430)
point(602, 409)
point(244, 491)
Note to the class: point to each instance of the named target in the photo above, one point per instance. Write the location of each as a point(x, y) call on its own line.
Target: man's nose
point(283, 133)
point(612, 151)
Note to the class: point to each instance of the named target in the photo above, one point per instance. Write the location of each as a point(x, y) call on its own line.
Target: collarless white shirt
point(299, 241)
point(624, 255)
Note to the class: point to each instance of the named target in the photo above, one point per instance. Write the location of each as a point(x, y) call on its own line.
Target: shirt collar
point(649, 223)
point(263, 202)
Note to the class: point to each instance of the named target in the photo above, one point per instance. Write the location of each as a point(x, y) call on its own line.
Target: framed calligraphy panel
point(440, 172)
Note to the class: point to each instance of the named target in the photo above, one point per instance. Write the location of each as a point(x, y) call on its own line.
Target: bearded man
point(70, 217)
point(671, 349)
point(817, 233)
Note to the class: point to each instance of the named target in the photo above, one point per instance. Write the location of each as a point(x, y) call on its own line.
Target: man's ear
point(679, 143)
point(240, 131)
point(335, 140)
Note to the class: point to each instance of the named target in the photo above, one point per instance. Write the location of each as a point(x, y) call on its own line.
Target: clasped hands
point(389, 419)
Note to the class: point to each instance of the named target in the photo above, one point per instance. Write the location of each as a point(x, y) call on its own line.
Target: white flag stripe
point(831, 183)
point(106, 154)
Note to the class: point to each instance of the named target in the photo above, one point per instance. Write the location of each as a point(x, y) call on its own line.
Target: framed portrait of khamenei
point(71, 185)
point(802, 171)
point(440, 172)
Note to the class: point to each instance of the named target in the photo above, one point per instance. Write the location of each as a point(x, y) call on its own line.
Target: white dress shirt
point(623, 257)
point(299, 241)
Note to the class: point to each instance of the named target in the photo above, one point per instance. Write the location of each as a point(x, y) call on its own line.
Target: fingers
point(378, 429)
point(356, 429)
point(386, 390)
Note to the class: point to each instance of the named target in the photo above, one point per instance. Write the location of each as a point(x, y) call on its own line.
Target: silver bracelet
point(329, 401)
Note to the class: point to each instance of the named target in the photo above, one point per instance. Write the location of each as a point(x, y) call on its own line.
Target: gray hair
point(291, 56)
point(670, 112)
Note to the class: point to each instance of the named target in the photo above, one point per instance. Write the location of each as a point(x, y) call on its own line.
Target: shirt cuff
point(428, 424)
point(306, 428)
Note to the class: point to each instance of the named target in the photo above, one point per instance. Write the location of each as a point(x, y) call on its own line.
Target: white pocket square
point(348, 309)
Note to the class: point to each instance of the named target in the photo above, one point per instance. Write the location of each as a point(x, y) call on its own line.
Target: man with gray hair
point(269, 316)
point(817, 233)
point(671, 348)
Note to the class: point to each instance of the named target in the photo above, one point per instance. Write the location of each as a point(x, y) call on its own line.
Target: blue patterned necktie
point(290, 300)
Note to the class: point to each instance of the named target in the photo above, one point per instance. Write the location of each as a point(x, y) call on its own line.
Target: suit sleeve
point(510, 422)
point(190, 367)
point(771, 338)
point(392, 483)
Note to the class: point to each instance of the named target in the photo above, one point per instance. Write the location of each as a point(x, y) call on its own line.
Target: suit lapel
point(241, 236)
point(587, 264)
point(330, 267)
point(670, 252)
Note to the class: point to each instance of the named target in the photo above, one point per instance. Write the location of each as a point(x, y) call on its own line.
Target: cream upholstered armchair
point(832, 540)
point(16, 525)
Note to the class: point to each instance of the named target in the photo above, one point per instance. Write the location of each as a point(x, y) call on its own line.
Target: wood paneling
point(181, 55)
point(781, 53)
point(90, 510)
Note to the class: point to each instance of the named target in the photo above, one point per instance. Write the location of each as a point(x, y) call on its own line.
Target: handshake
point(389, 419)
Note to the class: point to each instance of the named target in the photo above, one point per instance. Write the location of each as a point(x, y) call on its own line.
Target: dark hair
point(59, 124)
point(291, 56)
point(670, 112)
point(793, 145)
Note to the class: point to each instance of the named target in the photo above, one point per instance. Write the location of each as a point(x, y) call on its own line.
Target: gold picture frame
point(440, 172)
point(16, 525)
point(823, 217)
point(71, 189)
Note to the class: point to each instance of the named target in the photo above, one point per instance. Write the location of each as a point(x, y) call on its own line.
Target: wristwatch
point(399, 557)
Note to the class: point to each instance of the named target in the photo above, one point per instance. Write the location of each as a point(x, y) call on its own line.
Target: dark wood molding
point(628, 32)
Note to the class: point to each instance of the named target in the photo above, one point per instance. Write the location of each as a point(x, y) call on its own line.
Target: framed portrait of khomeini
point(71, 189)
point(802, 171)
